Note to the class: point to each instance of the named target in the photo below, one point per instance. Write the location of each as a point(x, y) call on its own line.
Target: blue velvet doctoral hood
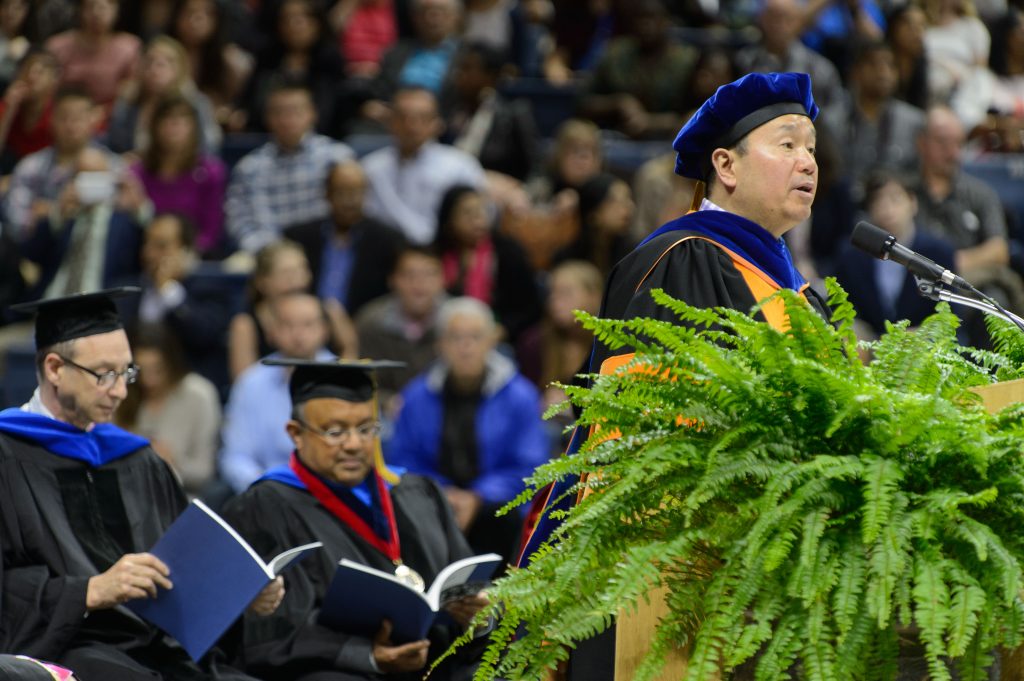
point(744, 237)
point(96, 447)
point(284, 474)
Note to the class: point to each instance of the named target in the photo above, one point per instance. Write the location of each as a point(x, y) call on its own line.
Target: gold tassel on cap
point(698, 196)
point(378, 454)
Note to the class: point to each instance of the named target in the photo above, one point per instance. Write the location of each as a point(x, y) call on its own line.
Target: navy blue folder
point(360, 597)
point(215, 574)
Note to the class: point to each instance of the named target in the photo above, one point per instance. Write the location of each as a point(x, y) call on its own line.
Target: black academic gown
point(694, 268)
point(62, 522)
point(289, 645)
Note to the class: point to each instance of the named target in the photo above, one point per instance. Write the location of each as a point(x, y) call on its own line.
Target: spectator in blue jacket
point(473, 423)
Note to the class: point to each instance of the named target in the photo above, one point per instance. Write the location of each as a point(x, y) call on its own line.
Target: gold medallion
point(410, 577)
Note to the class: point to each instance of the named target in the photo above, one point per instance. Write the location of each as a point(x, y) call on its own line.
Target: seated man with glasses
point(337, 490)
point(81, 501)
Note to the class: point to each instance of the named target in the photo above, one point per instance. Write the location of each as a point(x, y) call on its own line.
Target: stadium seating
point(19, 377)
point(552, 105)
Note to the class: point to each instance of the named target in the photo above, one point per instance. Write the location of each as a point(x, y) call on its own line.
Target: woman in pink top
point(365, 30)
point(93, 55)
point(180, 179)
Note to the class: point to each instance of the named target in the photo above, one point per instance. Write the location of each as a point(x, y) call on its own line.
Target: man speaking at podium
point(751, 147)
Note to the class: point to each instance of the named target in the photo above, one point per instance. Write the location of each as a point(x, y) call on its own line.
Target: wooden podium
point(1000, 395)
point(995, 397)
point(635, 630)
point(633, 634)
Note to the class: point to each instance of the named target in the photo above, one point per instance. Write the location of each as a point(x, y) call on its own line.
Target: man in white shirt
point(409, 177)
point(254, 436)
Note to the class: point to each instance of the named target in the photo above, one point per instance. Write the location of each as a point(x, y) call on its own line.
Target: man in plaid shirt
point(281, 183)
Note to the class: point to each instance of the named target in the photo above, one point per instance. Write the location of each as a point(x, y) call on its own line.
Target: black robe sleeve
point(40, 612)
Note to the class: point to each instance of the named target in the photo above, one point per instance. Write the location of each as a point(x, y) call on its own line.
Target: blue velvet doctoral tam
point(736, 109)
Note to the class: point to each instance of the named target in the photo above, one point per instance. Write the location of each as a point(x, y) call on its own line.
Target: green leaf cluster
point(803, 508)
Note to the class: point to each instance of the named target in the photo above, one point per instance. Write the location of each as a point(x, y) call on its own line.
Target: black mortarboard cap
point(350, 381)
point(75, 316)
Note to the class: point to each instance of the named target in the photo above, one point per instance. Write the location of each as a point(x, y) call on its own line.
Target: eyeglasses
point(108, 378)
point(337, 436)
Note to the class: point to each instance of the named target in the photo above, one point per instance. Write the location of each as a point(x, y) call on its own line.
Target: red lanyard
point(325, 496)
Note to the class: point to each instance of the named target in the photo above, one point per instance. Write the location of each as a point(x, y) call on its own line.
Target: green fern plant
point(807, 508)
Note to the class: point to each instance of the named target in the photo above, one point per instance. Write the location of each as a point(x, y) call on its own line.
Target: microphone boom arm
point(930, 289)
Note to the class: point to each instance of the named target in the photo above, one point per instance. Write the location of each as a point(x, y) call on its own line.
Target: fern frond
point(968, 599)
point(847, 601)
point(883, 477)
point(931, 611)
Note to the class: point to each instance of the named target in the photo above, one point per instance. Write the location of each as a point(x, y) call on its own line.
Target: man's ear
point(724, 163)
point(52, 364)
point(294, 429)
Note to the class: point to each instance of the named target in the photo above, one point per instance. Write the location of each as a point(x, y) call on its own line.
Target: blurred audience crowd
point(443, 182)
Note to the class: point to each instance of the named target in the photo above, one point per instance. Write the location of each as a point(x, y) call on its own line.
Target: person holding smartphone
point(91, 238)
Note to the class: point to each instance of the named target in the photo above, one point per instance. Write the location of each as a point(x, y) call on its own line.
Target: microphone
point(879, 243)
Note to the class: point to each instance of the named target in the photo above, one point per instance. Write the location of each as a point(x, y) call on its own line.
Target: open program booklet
point(215, 573)
point(360, 597)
